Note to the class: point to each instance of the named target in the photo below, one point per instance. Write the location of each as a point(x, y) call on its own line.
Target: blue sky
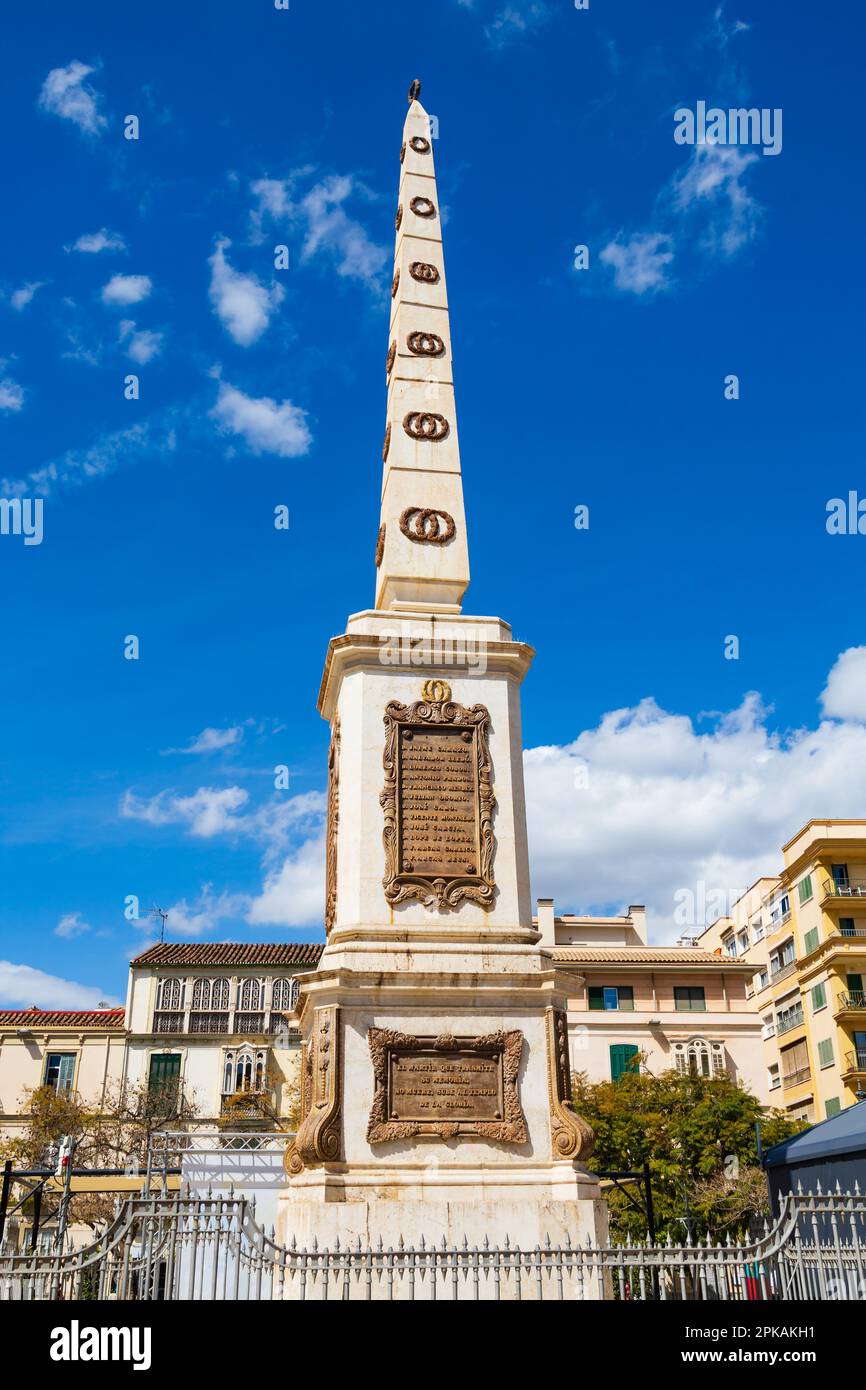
point(261, 387)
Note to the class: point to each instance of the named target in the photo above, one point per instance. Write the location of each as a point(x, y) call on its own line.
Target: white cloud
point(126, 289)
point(265, 425)
point(92, 243)
point(293, 893)
point(844, 696)
point(514, 22)
point(78, 466)
point(72, 924)
point(639, 262)
point(669, 805)
point(20, 298)
point(23, 985)
point(712, 182)
point(327, 229)
point(241, 302)
point(212, 740)
point(207, 812)
point(141, 344)
point(66, 94)
point(11, 394)
point(206, 913)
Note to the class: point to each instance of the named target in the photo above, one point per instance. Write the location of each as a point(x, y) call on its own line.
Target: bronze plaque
point(438, 803)
point(459, 1085)
point(445, 1086)
point(437, 828)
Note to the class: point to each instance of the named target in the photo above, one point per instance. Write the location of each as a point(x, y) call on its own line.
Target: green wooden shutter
point(832, 1107)
point(810, 941)
point(825, 1052)
point(804, 888)
point(622, 1059)
point(819, 997)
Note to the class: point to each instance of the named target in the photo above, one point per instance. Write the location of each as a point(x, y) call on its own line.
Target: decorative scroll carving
point(395, 283)
point(425, 344)
point(419, 144)
point(422, 207)
point(386, 444)
point(380, 545)
point(422, 524)
point(320, 1132)
point(399, 218)
point(438, 803)
point(333, 818)
point(292, 1161)
point(422, 424)
point(465, 1086)
point(389, 360)
point(423, 271)
point(571, 1137)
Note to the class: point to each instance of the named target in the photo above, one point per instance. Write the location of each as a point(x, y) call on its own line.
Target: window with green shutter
point(819, 998)
point(163, 1081)
point(623, 1058)
point(825, 1052)
point(832, 1107)
point(810, 941)
point(690, 998)
point(804, 888)
point(611, 997)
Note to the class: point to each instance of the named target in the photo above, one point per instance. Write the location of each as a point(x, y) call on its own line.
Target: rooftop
point(643, 955)
point(61, 1018)
point(213, 953)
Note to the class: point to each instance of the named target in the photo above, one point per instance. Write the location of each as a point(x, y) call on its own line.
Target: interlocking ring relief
point(422, 424)
point(428, 525)
point(424, 272)
point(425, 344)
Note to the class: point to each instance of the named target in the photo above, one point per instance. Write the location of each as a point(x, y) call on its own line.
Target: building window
point(286, 994)
point(611, 997)
point(244, 1070)
point(624, 1057)
point(832, 1107)
point(689, 999)
point(163, 1081)
point(825, 1053)
point(730, 947)
point(171, 994)
point(819, 998)
point(804, 888)
point(763, 979)
point(795, 1064)
point(743, 941)
point(840, 877)
point(757, 932)
point(59, 1071)
point(810, 941)
point(774, 1081)
point(856, 997)
point(846, 926)
point(210, 994)
point(791, 1016)
point(250, 995)
point(700, 1058)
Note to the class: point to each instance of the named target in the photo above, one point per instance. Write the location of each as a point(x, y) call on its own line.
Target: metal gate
point(163, 1246)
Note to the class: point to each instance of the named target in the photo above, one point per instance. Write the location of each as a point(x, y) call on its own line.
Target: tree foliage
point(698, 1135)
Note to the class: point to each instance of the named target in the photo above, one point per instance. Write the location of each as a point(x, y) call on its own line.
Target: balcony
point(208, 1023)
point(855, 1061)
point(796, 1078)
point(225, 1023)
point(783, 972)
point(246, 1106)
point(168, 1022)
point(849, 1001)
point(249, 1023)
point(776, 924)
point(787, 1023)
point(851, 888)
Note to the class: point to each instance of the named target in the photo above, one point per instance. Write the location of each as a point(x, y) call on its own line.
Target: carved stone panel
point(571, 1137)
point(444, 1087)
point(333, 819)
point(438, 804)
point(319, 1137)
point(424, 272)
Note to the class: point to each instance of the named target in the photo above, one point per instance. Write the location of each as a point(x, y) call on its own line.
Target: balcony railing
point(777, 923)
point(783, 972)
point(784, 1025)
point(856, 1061)
point(856, 929)
point(851, 999)
point(851, 888)
point(249, 1023)
point(225, 1023)
point(208, 1023)
point(167, 1023)
point(795, 1078)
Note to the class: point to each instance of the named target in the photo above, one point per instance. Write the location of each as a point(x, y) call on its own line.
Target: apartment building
point(78, 1050)
point(804, 935)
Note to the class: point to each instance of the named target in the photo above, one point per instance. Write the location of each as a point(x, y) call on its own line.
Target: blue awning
point(844, 1133)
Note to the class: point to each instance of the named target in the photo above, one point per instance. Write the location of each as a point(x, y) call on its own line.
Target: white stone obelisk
point(436, 1091)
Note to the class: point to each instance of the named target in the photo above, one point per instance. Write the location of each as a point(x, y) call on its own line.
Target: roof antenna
point(162, 915)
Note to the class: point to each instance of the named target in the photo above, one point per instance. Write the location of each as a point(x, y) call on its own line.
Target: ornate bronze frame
point(478, 887)
point(510, 1129)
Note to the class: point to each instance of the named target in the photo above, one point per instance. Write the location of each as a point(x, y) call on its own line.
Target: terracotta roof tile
point(213, 953)
point(645, 955)
point(61, 1018)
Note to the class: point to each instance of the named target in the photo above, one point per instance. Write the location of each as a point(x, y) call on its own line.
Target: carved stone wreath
point(389, 361)
point(422, 207)
point(425, 344)
point(386, 444)
point(426, 425)
point(419, 144)
point(510, 1128)
point(395, 283)
point(424, 272)
point(402, 151)
point(426, 527)
point(380, 545)
point(399, 218)
point(475, 882)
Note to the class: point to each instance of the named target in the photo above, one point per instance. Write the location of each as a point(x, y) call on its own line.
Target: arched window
point(250, 995)
point(228, 1073)
point(700, 1058)
point(171, 994)
point(286, 994)
point(219, 994)
point(201, 994)
point(244, 1070)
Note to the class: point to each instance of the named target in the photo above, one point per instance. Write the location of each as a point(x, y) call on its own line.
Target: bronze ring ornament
point(422, 524)
point(426, 425)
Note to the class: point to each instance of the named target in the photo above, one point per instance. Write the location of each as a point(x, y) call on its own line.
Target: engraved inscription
point(424, 1085)
point(438, 826)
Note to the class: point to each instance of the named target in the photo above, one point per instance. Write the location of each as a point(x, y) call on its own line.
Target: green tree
point(698, 1135)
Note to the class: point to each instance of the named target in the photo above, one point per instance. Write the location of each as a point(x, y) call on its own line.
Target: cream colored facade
point(804, 935)
point(83, 1051)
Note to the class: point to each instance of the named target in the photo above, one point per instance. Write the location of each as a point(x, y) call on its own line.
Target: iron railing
point(851, 999)
point(856, 1061)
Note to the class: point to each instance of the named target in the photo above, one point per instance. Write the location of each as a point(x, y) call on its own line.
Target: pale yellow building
point(75, 1050)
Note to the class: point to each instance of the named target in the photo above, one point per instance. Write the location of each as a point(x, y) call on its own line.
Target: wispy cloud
point(514, 22)
point(212, 741)
point(712, 183)
point(241, 302)
point(93, 243)
point(11, 393)
point(126, 289)
point(66, 94)
point(329, 233)
point(207, 812)
point(20, 298)
point(72, 924)
point(266, 426)
point(142, 344)
point(110, 451)
point(639, 262)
